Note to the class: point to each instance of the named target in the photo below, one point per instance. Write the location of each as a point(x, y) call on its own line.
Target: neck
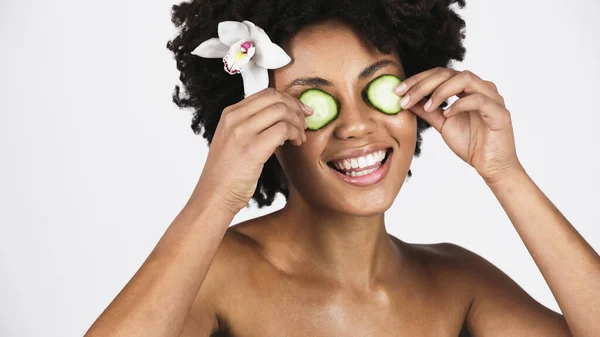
point(348, 248)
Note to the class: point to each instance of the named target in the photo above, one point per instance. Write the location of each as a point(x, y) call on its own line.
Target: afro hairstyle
point(425, 34)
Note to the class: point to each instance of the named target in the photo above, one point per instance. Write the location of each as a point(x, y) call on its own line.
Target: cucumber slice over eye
point(324, 105)
point(381, 95)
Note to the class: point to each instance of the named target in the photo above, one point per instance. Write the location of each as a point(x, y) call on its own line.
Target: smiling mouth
point(358, 169)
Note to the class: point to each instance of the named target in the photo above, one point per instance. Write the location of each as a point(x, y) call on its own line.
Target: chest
point(270, 309)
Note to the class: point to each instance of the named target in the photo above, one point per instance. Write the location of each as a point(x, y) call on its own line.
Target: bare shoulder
point(444, 251)
point(224, 280)
point(443, 259)
point(456, 259)
point(446, 267)
point(460, 261)
point(500, 307)
point(482, 276)
point(238, 257)
point(237, 253)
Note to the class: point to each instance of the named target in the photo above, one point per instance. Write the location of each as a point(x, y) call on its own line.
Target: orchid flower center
point(238, 55)
point(246, 46)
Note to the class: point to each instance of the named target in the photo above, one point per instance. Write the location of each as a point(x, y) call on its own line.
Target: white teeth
point(370, 159)
point(360, 162)
point(361, 173)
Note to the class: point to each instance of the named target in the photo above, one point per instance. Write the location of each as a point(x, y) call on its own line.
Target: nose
point(355, 120)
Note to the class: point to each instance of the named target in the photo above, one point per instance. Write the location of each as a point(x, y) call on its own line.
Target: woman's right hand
point(246, 136)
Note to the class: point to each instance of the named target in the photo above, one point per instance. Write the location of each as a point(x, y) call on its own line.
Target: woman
point(324, 264)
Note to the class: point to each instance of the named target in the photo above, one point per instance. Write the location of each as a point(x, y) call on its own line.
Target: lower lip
point(368, 179)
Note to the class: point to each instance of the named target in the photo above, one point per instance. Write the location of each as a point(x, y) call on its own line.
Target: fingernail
point(307, 108)
point(428, 105)
point(405, 101)
point(400, 89)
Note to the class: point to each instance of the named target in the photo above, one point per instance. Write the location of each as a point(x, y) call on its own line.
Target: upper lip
point(351, 153)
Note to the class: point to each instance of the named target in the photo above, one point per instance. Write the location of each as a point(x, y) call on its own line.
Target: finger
point(435, 117)
point(262, 99)
point(492, 85)
point(268, 96)
point(273, 114)
point(464, 81)
point(493, 114)
point(276, 135)
point(412, 80)
point(426, 86)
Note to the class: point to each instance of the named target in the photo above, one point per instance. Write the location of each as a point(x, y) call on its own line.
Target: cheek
point(297, 159)
point(403, 127)
point(302, 163)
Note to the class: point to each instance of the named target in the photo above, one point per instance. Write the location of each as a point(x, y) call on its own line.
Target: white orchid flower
point(246, 49)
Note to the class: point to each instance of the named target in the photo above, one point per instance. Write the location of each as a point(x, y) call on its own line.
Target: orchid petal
point(232, 31)
point(255, 78)
point(268, 54)
point(211, 48)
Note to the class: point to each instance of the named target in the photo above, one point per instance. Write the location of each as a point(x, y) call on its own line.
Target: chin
point(366, 211)
point(368, 204)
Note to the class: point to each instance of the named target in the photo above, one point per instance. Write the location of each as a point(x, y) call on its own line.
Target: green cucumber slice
point(324, 105)
point(381, 95)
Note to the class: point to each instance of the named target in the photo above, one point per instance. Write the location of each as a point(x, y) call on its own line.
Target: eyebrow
point(319, 81)
point(368, 71)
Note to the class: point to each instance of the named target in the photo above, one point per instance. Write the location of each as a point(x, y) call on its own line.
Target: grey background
point(95, 160)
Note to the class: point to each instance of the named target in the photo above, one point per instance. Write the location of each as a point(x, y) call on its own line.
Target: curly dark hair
point(425, 34)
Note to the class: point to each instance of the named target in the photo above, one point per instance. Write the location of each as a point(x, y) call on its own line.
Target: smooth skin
point(324, 264)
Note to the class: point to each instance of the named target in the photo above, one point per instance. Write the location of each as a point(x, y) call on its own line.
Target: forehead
point(330, 49)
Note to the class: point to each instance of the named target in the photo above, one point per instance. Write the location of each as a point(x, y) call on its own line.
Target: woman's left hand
point(477, 126)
